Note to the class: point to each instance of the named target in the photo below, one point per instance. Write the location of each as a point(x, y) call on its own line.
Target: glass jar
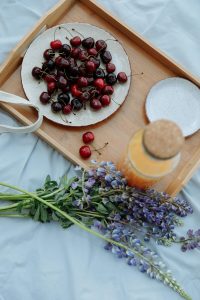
point(152, 153)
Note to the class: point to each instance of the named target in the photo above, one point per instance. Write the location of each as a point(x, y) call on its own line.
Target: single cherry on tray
point(88, 137)
point(85, 152)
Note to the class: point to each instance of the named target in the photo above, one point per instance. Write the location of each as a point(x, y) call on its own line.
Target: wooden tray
point(118, 129)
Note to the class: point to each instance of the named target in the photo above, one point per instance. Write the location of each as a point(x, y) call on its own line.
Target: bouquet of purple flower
point(100, 201)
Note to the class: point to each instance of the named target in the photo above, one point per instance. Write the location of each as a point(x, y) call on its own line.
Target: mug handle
point(10, 98)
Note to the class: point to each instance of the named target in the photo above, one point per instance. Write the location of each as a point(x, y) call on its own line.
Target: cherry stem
point(115, 102)
point(64, 120)
point(78, 32)
point(135, 74)
point(114, 40)
point(61, 27)
point(97, 150)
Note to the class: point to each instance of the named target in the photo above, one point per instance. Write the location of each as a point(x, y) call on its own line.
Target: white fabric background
point(44, 262)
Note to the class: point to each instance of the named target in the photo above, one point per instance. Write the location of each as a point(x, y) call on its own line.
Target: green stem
point(14, 216)
point(53, 193)
point(8, 207)
point(82, 226)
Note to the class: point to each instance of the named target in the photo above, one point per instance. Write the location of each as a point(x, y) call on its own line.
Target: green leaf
point(101, 208)
point(44, 214)
point(37, 214)
point(54, 217)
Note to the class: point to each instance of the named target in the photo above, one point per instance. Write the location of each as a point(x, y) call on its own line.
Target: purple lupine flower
point(74, 185)
point(89, 183)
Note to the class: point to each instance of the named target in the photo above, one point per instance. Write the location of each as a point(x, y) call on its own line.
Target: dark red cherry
point(45, 98)
point(65, 50)
point(37, 73)
point(95, 60)
point(48, 65)
point(76, 104)
point(56, 44)
point(82, 70)
point(51, 87)
point(92, 51)
point(122, 77)
point(75, 52)
point(82, 82)
point(95, 104)
point(106, 56)
point(58, 61)
point(67, 109)
point(90, 66)
point(88, 43)
point(88, 137)
point(85, 152)
point(73, 71)
point(75, 41)
point(48, 54)
point(105, 100)
point(72, 62)
point(99, 83)
point(99, 73)
point(100, 45)
point(61, 82)
point(83, 55)
point(107, 90)
point(64, 63)
point(56, 107)
point(111, 78)
point(63, 98)
point(110, 68)
point(85, 97)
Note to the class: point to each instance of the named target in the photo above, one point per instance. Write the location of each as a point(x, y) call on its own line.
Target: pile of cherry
point(74, 75)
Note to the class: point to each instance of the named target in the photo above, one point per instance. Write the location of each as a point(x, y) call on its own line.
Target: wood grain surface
point(117, 129)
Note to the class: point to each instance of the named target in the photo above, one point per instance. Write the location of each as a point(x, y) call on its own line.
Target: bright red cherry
point(50, 78)
point(105, 100)
point(122, 77)
point(88, 137)
point(51, 87)
point(92, 51)
point(56, 44)
point(110, 68)
point(99, 83)
point(75, 91)
point(67, 109)
point(85, 152)
point(82, 82)
point(107, 90)
point(90, 66)
point(75, 41)
point(95, 104)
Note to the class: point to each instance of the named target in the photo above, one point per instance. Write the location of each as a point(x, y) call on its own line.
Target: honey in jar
point(152, 153)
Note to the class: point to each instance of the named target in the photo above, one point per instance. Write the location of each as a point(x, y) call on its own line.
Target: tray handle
point(10, 98)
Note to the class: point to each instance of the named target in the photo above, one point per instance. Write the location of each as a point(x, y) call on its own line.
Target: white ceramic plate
point(34, 57)
point(175, 99)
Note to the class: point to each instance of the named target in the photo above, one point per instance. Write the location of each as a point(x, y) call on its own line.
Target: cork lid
point(163, 139)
